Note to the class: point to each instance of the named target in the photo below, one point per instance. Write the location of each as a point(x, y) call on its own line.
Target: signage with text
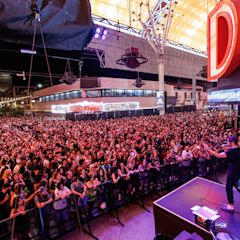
point(224, 96)
point(160, 100)
point(93, 107)
point(224, 39)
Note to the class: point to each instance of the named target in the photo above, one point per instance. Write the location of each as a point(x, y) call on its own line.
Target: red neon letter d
point(223, 39)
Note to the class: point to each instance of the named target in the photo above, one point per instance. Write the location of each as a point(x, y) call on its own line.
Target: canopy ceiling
point(189, 24)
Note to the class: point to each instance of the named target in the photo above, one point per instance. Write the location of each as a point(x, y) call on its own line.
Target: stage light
point(28, 51)
point(105, 32)
point(101, 33)
point(4, 75)
point(39, 85)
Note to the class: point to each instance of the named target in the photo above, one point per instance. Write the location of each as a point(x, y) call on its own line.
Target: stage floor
point(202, 192)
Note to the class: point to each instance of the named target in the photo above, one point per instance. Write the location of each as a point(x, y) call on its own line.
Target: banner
point(160, 100)
point(224, 96)
point(93, 107)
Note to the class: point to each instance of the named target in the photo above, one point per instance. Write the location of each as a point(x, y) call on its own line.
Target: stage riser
point(173, 212)
point(172, 225)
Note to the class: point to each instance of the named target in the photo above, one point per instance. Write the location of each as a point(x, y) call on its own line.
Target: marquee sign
point(224, 39)
point(93, 107)
point(160, 100)
point(224, 96)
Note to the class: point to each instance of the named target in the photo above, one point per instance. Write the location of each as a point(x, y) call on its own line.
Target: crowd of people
point(44, 161)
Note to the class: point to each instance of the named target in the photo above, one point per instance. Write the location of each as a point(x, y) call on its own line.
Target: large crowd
point(43, 160)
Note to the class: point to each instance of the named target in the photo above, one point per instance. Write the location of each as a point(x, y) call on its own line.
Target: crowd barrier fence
point(127, 113)
point(48, 223)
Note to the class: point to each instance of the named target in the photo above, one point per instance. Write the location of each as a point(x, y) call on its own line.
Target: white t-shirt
point(62, 203)
point(187, 155)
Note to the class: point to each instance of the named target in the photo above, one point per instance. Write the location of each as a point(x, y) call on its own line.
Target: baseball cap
point(232, 139)
point(42, 188)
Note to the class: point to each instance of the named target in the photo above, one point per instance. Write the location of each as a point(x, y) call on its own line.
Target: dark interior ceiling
point(13, 61)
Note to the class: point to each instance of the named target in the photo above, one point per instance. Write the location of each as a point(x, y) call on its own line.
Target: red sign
point(224, 39)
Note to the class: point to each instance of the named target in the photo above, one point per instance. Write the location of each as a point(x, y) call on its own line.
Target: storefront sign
point(86, 107)
point(61, 109)
point(92, 107)
point(108, 107)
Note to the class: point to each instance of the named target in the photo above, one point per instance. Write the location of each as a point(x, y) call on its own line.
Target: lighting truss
point(157, 14)
point(116, 26)
point(138, 33)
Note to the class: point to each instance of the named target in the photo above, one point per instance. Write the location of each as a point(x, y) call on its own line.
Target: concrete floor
point(139, 224)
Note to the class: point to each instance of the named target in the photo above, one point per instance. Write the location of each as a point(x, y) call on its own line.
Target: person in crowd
point(80, 192)
point(42, 201)
point(92, 190)
point(37, 151)
point(7, 175)
point(143, 174)
point(4, 207)
point(124, 180)
point(187, 156)
point(19, 206)
point(203, 158)
point(62, 193)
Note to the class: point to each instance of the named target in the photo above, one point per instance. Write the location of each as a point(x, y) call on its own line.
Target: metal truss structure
point(116, 26)
point(156, 28)
point(139, 33)
point(156, 15)
point(155, 31)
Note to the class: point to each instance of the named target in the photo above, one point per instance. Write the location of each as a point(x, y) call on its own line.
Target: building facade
point(112, 93)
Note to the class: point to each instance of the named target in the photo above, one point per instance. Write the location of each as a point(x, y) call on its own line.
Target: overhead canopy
point(189, 24)
point(66, 24)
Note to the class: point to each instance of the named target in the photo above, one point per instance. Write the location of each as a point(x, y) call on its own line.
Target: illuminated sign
point(86, 107)
point(224, 96)
point(107, 107)
point(160, 100)
point(61, 109)
point(224, 39)
point(93, 93)
point(91, 107)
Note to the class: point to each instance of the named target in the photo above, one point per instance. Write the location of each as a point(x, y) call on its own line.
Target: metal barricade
point(24, 226)
point(49, 223)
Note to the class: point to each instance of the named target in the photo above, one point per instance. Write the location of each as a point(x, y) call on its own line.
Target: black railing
point(49, 223)
point(126, 113)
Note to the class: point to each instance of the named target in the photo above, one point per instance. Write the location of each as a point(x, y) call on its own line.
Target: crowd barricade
point(49, 223)
point(127, 113)
point(22, 227)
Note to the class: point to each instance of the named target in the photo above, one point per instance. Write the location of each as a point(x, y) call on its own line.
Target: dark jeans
point(61, 217)
point(202, 167)
point(232, 178)
point(44, 214)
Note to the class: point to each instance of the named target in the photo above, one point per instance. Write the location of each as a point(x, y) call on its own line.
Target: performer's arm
point(216, 154)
